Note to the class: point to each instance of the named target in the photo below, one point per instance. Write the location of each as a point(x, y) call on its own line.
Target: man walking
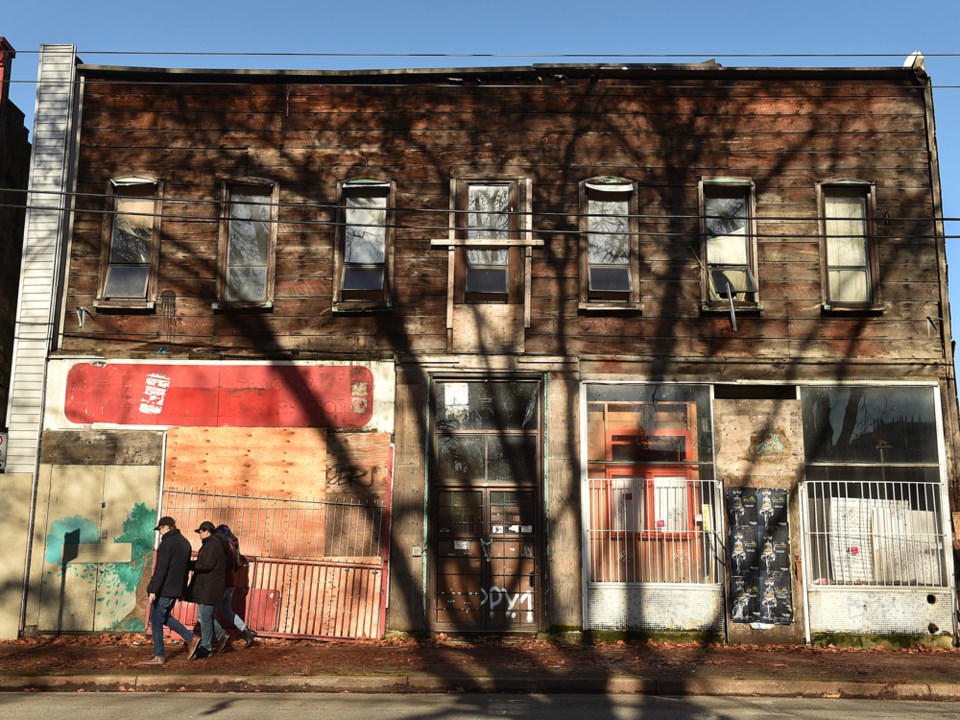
point(206, 590)
point(167, 585)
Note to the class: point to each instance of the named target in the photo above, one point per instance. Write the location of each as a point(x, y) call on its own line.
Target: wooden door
point(485, 491)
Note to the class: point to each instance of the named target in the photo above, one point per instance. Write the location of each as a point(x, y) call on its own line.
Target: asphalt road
point(301, 706)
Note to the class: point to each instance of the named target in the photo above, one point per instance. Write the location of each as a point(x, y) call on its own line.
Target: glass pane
point(726, 211)
point(488, 209)
point(249, 228)
point(609, 279)
point(512, 458)
point(127, 281)
point(846, 251)
point(246, 284)
point(648, 423)
point(365, 235)
point(461, 458)
point(460, 512)
point(849, 286)
point(486, 281)
point(363, 278)
point(846, 212)
point(487, 406)
point(132, 233)
point(608, 228)
point(487, 257)
point(869, 425)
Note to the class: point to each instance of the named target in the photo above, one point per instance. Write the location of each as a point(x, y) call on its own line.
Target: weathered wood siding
point(784, 131)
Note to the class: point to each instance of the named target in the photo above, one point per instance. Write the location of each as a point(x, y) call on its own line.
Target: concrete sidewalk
point(501, 665)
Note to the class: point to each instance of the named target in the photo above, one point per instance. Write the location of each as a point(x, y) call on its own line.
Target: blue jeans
point(160, 615)
point(209, 626)
point(226, 609)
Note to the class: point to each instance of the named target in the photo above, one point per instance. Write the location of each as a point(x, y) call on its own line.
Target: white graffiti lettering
point(496, 596)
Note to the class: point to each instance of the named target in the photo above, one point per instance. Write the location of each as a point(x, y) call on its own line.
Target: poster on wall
point(759, 556)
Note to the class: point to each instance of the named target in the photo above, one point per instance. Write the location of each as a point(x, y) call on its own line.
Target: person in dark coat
point(206, 590)
point(167, 585)
point(234, 567)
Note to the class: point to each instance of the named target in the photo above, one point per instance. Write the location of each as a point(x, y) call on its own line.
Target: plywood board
point(281, 463)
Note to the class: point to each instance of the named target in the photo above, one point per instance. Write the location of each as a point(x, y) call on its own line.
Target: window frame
point(228, 187)
point(709, 300)
point(514, 267)
point(347, 300)
point(601, 299)
point(144, 188)
point(868, 190)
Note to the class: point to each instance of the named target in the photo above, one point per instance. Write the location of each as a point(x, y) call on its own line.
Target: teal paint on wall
point(117, 589)
point(78, 529)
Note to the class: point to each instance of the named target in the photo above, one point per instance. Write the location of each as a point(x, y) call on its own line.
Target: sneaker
point(192, 649)
point(155, 660)
point(248, 636)
point(221, 644)
point(201, 653)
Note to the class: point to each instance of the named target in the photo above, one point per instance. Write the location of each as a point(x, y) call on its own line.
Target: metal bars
point(316, 567)
point(654, 530)
point(874, 533)
point(347, 529)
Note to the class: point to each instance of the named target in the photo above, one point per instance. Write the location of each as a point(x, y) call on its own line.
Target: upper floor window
point(248, 233)
point(608, 245)
point(131, 243)
point(729, 242)
point(847, 247)
point(364, 253)
point(488, 264)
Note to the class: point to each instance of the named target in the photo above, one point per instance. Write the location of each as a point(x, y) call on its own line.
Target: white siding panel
point(40, 284)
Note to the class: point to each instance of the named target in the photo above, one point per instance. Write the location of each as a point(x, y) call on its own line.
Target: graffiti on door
point(496, 596)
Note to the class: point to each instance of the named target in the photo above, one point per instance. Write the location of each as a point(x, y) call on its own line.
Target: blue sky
point(874, 33)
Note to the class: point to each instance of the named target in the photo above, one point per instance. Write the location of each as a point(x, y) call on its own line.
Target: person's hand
point(153, 597)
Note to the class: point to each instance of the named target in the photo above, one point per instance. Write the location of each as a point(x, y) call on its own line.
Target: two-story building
point(641, 348)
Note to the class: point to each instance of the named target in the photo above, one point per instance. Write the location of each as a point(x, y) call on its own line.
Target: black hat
point(208, 526)
point(165, 521)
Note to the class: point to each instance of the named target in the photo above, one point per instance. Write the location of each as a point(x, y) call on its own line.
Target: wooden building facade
point(628, 347)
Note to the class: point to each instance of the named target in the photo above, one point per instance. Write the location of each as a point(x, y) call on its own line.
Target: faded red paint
point(338, 397)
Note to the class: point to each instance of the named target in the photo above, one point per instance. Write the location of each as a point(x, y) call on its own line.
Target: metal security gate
point(317, 568)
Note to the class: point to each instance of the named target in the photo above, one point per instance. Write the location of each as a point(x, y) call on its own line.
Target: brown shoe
point(194, 644)
point(221, 644)
point(155, 660)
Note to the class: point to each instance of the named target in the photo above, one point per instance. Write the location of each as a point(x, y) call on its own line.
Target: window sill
point(120, 306)
point(359, 307)
point(828, 310)
point(752, 309)
point(242, 307)
point(609, 308)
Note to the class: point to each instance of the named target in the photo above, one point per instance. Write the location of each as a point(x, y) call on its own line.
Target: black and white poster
point(759, 556)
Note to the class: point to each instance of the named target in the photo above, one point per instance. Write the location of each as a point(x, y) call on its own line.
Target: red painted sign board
point(337, 397)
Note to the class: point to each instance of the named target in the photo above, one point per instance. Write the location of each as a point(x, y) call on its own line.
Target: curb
point(422, 683)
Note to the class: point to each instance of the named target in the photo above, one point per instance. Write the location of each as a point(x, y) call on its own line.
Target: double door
point(485, 507)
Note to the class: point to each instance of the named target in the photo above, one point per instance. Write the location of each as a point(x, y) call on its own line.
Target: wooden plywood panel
point(274, 462)
point(358, 465)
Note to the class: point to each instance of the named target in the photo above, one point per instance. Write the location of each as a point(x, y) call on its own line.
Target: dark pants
point(160, 615)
